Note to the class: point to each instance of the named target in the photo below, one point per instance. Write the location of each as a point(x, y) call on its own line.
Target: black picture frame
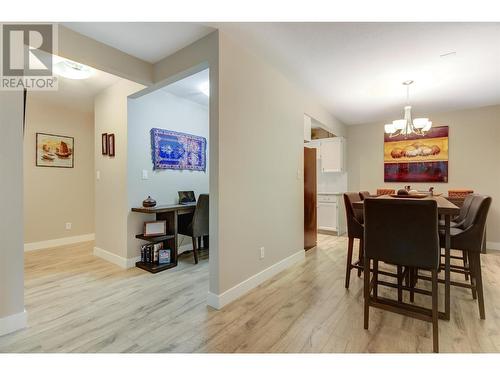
point(111, 144)
point(104, 143)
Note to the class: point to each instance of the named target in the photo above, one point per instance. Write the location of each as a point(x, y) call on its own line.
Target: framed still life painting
point(174, 150)
point(54, 151)
point(417, 158)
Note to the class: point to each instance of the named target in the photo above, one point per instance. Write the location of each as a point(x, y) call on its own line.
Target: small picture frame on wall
point(104, 143)
point(155, 228)
point(111, 144)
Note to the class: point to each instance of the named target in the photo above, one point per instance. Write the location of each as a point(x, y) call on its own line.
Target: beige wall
point(474, 157)
point(200, 55)
point(11, 214)
point(55, 196)
point(260, 163)
point(111, 206)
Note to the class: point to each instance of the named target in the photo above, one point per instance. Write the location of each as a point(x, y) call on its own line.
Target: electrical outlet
point(262, 252)
point(98, 175)
point(145, 174)
point(68, 226)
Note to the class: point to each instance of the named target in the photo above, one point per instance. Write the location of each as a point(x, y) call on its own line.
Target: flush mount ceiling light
point(408, 126)
point(205, 88)
point(72, 70)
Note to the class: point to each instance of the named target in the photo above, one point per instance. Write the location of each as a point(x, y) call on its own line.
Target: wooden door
point(310, 199)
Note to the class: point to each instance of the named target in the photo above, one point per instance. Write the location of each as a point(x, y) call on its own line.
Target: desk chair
point(197, 225)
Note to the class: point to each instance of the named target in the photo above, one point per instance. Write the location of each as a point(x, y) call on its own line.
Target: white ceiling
point(148, 41)
point(78, 94)
point(189, 88)
point(356, 69)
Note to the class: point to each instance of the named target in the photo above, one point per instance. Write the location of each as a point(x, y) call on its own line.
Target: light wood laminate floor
point(79, 303)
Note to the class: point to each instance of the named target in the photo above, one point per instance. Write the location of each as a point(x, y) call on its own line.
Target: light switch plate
point(98, 175)
point(145, 174)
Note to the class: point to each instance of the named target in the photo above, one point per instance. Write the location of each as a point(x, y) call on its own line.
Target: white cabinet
point(307, 128)
point(330, 213)
point(332, 154)
point(327, 216)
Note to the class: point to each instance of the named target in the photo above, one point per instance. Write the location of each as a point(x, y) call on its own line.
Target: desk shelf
point(154, 268)
point(155, 238)
point(169, 213)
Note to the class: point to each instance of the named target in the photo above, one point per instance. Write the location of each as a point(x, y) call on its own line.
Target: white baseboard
point(492, 245)
point(13, 323)
point(116, 259)
point(58, 242)
point(219, 301)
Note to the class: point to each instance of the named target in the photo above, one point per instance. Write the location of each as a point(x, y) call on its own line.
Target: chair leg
point(412, 284)
point(400, 281)
point(464, 258)
point(479, 282)
point(435, 328)
point(348, 267)
point(366, 290)
point(472, 276)
point(361, 255)
point(375, 278)
point(195, 251)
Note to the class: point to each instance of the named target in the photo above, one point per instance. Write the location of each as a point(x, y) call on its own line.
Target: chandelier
point(408, 126)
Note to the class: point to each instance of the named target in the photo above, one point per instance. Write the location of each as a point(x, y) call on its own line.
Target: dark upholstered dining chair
point(355, 229)
point(457, 222)
point(403, 232)
point(364, 194)
point(464, 210)
point(198, 226)
point(469, 237)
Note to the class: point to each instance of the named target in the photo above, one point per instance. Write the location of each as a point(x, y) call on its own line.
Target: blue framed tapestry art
point(174, 150)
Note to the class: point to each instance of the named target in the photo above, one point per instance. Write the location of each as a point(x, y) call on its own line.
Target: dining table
point(447, 210)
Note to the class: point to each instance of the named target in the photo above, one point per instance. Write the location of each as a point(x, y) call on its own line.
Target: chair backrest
point(354, 216)
point(474, 223)
point(385, 191)
point(364, 194)
point(200, 217)
point(459, 193)
point(464, 210)
point(402, 232)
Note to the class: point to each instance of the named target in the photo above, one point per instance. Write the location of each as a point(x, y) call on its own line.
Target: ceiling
point(148, 41)
point(78, 94)
point(354, 69)
point(189, 88)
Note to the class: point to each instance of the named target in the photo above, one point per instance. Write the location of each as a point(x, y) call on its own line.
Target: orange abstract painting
point(417, 158)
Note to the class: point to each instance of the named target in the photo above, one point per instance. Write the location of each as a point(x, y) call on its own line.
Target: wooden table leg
point(447, 268)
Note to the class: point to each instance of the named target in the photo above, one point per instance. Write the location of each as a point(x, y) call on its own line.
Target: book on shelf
point(154, 253)
point(164, 256)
